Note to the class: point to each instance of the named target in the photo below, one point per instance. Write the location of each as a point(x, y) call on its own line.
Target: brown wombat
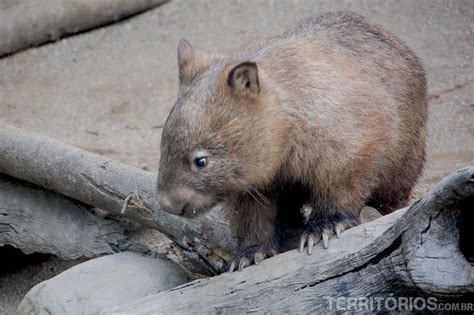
point(335, 106)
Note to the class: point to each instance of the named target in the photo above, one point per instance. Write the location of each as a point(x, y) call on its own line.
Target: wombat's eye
point(200, 162)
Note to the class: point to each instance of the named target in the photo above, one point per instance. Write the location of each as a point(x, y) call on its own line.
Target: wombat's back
point(354, 95)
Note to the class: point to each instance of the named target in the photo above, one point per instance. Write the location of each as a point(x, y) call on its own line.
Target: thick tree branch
point(106, 184)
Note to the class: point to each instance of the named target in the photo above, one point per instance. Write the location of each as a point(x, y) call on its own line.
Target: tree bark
point(38, 221)
point(204, 244)
point(422, 250)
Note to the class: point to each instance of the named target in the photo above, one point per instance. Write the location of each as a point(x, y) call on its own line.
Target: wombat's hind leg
point(249, 254)
point(322, 225)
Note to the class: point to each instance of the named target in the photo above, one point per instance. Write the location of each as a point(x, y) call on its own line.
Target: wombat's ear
point(185, 57)
point(185, 52)
point(243, 79)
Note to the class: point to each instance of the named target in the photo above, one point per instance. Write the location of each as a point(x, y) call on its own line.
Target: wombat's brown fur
point(336, 106)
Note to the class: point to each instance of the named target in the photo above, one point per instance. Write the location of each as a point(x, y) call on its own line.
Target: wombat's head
point(222, 135)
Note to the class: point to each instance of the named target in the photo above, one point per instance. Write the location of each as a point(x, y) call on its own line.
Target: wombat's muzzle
point(170, 205)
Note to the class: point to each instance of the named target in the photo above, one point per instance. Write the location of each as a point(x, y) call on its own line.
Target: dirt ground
point(109, 90)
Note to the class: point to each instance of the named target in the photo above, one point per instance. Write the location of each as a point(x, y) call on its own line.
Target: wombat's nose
point(171, 206)
point(164, 202)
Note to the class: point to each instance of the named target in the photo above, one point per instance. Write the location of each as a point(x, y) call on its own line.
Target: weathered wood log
point(204, 243)
point(420, 251)
point(38, 221)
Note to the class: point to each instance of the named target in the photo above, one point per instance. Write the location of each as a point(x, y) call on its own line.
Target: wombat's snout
point(171, 205)
point(184, 201)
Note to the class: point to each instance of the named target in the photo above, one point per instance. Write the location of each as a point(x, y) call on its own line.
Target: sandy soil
point(109, 90)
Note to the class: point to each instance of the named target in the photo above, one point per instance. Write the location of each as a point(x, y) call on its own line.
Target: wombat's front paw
point(322, 227)
point(249, 254)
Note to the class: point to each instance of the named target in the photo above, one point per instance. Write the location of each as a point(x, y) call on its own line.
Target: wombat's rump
point(336, 106)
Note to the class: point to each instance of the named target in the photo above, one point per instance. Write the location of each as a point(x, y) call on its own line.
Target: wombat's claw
point(251, 254)
point(242, 263)
point(309, 239)
point(314, 238)
point(339, 228)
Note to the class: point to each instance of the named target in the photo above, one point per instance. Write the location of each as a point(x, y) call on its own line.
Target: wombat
point(336, 106)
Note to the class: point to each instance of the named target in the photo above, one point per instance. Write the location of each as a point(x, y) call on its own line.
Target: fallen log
point(204, 244)
point(30, 23)
point(38, 221)
point(422, 251)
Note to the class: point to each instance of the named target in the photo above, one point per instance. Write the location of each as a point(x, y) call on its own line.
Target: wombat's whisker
point(262, 197)
point(248, 189)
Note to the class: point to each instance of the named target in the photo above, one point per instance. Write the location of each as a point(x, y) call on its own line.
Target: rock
point(101, 283)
